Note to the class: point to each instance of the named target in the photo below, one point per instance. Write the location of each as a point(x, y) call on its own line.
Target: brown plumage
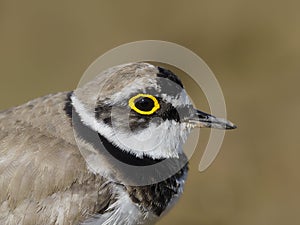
point(43, 177)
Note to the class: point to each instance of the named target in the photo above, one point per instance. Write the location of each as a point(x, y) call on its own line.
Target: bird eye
point(144, 104)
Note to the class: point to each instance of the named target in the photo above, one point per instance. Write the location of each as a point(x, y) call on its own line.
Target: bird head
point(142, 109)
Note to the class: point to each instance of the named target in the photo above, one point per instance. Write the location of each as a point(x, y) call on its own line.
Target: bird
point(81, 156)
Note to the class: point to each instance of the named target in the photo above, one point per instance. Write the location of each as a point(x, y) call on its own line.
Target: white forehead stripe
point(180, 100)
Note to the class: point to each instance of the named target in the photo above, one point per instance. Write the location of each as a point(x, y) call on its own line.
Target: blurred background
point(253, 47)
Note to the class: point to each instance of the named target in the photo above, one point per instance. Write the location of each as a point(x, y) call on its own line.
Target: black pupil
point(144, 104)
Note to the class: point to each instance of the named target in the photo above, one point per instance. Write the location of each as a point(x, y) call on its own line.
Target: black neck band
point(90, 136)
point(126, 157)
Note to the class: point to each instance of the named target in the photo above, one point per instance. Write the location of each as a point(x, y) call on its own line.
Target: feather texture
point(43, 177)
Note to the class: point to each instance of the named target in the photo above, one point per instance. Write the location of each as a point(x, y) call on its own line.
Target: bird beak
point(202, 119)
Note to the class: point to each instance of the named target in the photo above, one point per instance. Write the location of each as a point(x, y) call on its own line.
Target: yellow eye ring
point(132, 103)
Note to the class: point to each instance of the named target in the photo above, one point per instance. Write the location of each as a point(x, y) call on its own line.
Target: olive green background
point(253, 47)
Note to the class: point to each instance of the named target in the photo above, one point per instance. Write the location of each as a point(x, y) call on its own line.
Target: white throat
point(157, 141)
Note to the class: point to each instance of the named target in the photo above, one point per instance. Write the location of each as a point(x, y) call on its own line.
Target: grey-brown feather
point(113, 80)
point(43, 177)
